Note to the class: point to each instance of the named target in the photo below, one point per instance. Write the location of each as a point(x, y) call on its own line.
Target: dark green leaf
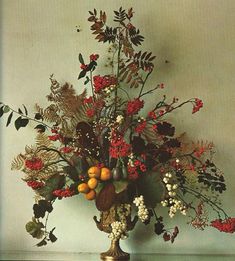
point(25, 109)
point(19, 122)
point(91, 65)
point(52, 237)
point(9, 118)
point(40, 128)
point(82, 74)
point(38, 116)
point(151, 187)
point(20, 111)
point(42, 243)
point(87, 80)
point(80, 58)
point(1, 111)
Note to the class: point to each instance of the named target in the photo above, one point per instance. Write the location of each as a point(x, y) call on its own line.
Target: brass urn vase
point(107, 218)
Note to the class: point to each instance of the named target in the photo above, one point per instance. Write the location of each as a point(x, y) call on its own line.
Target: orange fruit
point(90, 195)
point(94, 172)
point(105, 174)
point(83, 188)
point(92, 183)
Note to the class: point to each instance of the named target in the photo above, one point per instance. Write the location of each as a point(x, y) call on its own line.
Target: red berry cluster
point(101, 82)
point(198, 105)
point(227, 225)
point(133, 171)
point(118, 146)
point(34, 164)
point(63, 193)
point(35, 184)
point(133, 107)
point(141, 126)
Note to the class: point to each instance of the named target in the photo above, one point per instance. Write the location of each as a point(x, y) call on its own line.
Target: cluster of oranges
point(95, 175)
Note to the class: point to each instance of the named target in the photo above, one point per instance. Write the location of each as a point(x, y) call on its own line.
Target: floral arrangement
point(107, 148)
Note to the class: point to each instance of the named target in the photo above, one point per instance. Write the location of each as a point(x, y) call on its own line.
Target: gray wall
point(39, 38)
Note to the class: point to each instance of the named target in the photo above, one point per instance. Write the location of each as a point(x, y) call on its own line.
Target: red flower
point(94, 57)
point(35, 184)
point(90, 112)
point(133, 107)
point(34, 164)
point(66, 149)
point(227, 225)
point(143, 168)
point(198, 105)
point(63, 193)
point(140, 127)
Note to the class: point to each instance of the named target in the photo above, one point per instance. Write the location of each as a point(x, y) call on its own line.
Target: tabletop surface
point(56, 256)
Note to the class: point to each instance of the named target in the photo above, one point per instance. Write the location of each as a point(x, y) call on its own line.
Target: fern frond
point(18, 162)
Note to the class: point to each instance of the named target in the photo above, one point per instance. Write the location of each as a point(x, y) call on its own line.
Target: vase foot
point(106, 256)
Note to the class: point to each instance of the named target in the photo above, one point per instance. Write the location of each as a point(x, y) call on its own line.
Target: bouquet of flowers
point(107, 148)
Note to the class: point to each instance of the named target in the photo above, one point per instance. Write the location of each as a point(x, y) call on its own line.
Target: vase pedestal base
point(115, 253)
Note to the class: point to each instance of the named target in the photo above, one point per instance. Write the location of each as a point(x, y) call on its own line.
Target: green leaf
point(34, 228)
point(9, 118)
point(53, 183)
point(82, 74)
point(151, 187)
point(19, 123)
point(72, 173)
point(6, 109)
point(99, 187)
point(120, 185)
point(80, 58)
point(91, 66)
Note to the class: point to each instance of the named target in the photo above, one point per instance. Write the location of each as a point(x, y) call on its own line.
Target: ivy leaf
point(9, 118)
point(34, 228)
point(6, 109)
point(151, 187)
point(19, 123)
point(80, 58)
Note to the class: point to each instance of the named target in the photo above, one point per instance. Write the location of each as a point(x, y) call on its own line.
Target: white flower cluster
point(174, 203)
point(119, 119)
point(131, 160)
point(109, 89)
point(118, 230)
point(143, 213)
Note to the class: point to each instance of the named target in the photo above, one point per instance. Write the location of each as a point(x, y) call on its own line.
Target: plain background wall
point(39, 38)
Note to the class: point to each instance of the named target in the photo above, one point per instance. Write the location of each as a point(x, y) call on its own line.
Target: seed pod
point(117, 173)
point(124, 172)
